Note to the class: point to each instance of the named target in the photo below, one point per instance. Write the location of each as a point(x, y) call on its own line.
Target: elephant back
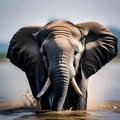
point(23, 50)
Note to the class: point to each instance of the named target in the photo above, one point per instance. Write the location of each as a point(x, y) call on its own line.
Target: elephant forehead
point(59, 44)
point(63, 28)
point(62, 45)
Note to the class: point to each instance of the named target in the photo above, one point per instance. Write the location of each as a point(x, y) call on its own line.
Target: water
point(103, 96)
point(64, 115)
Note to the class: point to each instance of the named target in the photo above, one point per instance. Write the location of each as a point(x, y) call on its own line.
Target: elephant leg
point(73, 100)
point(81, 101)
point(44, 101)
point(41, 77)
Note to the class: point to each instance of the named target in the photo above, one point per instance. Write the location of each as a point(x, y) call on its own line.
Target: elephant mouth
point(48, 82)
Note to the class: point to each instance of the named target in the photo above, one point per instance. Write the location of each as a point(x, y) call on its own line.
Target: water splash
point(29, 101)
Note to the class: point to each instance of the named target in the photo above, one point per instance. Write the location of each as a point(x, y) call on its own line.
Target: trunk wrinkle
point(60, 85)
point(59, 75)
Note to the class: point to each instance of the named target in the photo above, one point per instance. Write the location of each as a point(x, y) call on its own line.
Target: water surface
point(64, 115)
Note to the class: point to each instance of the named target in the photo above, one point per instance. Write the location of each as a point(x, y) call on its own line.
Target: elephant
point(59, 57)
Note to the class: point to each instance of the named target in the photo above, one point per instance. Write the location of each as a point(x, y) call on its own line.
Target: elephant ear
point(24, 52)
point(100, 47)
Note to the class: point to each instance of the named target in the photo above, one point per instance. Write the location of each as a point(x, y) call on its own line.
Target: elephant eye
point(76, 51)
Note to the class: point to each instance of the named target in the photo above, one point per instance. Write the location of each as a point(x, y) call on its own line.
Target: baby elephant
point(59, 57)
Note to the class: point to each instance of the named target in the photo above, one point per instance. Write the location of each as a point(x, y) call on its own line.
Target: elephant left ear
point(100, 47)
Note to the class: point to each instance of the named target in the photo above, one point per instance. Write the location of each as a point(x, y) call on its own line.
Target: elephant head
point(55, 54)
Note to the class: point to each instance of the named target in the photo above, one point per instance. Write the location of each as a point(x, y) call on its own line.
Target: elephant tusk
point(45, 87)
point(75, 86)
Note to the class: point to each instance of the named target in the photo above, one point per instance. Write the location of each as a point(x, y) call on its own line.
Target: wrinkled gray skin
point(61, 51)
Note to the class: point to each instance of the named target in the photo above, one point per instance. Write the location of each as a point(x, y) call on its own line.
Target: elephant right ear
point(24, 52)
point(100, 47)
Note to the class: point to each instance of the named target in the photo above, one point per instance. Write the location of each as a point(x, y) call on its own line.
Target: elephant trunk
point(60, 80)
point(59, 76)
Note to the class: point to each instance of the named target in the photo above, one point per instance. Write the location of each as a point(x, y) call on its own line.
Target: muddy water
point(64, 115)
point(103, 97)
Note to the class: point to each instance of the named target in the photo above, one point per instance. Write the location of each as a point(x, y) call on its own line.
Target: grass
point(117, 58)
point(2, 55)
point(118, 54)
